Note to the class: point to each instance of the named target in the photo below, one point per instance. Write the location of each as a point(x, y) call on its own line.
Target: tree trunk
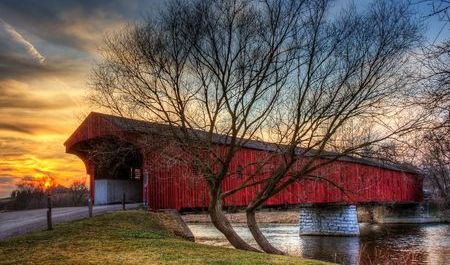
point(259, 236)
point(221, 222)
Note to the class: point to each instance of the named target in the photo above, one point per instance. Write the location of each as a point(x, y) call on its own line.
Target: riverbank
point(263, 217)
point(126, 237)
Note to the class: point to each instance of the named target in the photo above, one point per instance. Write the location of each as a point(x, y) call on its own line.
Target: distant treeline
point(33, 195)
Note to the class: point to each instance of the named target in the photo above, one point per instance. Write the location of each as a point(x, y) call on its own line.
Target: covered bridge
point(136, 168)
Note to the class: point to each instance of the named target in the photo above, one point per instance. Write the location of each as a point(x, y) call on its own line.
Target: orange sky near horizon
point(32, 138)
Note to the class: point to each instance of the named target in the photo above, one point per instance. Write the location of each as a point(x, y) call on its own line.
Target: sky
point(47, 48)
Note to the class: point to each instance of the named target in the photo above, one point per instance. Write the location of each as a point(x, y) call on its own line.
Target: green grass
point(131, 237)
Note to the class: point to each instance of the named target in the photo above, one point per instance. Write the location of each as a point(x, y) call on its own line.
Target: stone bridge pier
point(331, 220)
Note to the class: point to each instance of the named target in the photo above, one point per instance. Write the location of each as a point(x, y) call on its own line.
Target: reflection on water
point(378, 244)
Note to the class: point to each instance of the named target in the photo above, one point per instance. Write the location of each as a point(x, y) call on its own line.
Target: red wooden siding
point(175, 186)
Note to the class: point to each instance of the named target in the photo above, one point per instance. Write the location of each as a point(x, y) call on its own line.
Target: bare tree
point(434, 77)
point(434, 82)
point(439, 8)
point(79, 192)
point(223, 73)
point(349, 71)
point(436, 162)
point(208, 67)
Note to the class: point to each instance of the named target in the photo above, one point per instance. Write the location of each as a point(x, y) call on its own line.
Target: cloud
point(19, 148)
point(28, 127)
point(68, 33)
point(73, 23)
point(12, 67)
point(20, 40)
point(22, 128)
point(18, 67)
point(20, 59)
point(6, 179)
point(7, 183)
point(18, 56)
point(14, 96)
point(13, 147)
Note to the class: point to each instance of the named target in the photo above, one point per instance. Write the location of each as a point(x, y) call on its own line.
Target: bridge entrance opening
point(116, 170)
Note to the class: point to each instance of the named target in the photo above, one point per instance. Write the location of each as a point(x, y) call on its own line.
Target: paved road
point(19, 222)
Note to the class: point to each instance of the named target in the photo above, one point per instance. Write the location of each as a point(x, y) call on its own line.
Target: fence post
point(90, 207)
point(123, 201)
point(49, 212)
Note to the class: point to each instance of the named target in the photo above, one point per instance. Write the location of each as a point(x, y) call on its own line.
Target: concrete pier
point(331, 220)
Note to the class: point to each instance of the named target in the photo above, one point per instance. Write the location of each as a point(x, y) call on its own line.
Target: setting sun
point(47, 184)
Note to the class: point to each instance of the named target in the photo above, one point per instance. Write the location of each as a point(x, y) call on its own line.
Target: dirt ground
point(288, 216)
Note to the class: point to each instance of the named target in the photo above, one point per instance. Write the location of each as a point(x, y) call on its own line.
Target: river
point(378, 244)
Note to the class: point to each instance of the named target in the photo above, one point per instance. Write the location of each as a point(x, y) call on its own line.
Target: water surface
point(378, 244)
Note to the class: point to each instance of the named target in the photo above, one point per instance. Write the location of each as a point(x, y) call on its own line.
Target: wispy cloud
point(16, 128)
point(20, 40)
point(16, 95)
point(76, 24)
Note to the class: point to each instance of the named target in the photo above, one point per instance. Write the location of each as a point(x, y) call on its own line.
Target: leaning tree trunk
point(221, 222)
point(258, 235)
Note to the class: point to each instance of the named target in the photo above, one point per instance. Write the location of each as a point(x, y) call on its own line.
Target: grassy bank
point(131, 237)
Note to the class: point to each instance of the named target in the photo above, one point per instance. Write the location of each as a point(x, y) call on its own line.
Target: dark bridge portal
point(115, 167)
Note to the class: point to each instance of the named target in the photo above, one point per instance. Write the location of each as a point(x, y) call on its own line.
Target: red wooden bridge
point(145, 175)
